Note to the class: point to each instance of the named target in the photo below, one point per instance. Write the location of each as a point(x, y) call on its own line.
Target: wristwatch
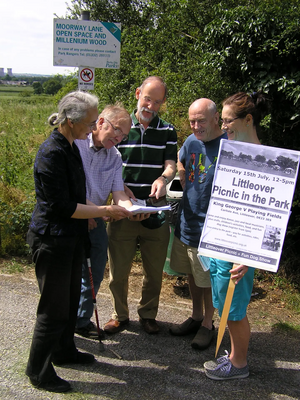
point(166, 179)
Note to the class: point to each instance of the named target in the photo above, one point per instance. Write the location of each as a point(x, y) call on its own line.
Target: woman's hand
point(237, 272)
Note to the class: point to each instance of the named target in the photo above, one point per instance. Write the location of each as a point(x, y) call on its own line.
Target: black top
point(60, 184)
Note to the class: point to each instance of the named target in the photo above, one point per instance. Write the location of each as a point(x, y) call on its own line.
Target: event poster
point(250, 204)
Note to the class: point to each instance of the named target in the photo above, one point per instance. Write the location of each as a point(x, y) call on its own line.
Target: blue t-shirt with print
point(199, 159)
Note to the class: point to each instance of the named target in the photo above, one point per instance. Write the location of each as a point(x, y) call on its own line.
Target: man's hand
point(158, 188)
point(139, 217)
point(116, 213)
point(129, 193)
point(133, 217)
point(92, 224)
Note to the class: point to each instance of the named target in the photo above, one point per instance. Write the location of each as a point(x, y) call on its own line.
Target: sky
point(26, 36)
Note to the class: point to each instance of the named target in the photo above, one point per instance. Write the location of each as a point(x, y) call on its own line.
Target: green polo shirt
point(145, 152)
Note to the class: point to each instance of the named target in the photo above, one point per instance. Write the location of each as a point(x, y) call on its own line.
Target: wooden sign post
point(225, 313)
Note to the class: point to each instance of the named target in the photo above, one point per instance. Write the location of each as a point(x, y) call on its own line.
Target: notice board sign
point(80, 43)
point(250, 204)
point(86, 78)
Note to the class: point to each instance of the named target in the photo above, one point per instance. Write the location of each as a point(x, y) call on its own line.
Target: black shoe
point(203, 338)
point(79, 358)
point(90, 331)
point(187, 327)
point(150, 325)
point(56, 384)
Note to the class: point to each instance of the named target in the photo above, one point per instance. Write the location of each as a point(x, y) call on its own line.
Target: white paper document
point(250, 204)
point(147, 209)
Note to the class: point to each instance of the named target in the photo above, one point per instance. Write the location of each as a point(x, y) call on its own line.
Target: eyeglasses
point(228, 121)
point(148, 99)
point(198, 121)
point(118, 131)
point(91, 126)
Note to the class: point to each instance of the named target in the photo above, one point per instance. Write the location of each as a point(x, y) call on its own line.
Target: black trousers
point(58, 262)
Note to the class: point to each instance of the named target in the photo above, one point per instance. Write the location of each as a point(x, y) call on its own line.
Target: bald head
point(204, 119)
point(203, 104)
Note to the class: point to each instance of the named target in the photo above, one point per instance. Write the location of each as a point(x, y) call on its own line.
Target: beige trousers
point(123, 237)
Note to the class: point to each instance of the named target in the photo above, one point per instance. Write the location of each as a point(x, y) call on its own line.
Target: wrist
point(106, 211)
point(165, 179)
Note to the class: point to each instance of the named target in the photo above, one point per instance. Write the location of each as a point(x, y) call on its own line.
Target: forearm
point(85, 211)
point(121, 199)
point(181, 172)
point(170, 170)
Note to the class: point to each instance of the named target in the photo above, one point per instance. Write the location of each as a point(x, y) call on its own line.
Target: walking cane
point(88, 260)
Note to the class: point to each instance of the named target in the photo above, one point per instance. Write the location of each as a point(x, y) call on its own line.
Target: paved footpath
point(137, 366)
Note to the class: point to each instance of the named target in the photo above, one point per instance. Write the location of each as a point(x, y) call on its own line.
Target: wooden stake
point(225, 313)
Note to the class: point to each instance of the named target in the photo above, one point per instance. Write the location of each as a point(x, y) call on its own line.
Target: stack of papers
point(147, 209)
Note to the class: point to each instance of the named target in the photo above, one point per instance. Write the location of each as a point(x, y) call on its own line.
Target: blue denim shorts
point(220, 275)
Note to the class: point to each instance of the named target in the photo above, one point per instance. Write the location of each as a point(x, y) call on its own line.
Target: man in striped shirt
point(149, 163)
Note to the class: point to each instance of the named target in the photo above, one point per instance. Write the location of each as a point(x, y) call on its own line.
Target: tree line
point(210, 48)
point(207, 48)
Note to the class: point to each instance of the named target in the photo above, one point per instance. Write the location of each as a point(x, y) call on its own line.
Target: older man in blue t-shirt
point(196, 167)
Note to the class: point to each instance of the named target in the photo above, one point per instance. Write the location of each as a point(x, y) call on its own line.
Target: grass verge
point(287, 327)
point(14, 265)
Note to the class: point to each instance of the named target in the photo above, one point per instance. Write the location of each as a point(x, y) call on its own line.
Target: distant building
point(9, 72)
point(2, 72)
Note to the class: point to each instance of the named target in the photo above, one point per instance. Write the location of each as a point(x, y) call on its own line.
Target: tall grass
point(23, 127)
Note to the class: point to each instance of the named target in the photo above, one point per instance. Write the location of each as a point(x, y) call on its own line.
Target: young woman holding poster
point(241, 116)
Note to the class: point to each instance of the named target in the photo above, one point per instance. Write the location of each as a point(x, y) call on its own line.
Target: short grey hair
point(73, 106)
point(154, 78)
point(116, 110)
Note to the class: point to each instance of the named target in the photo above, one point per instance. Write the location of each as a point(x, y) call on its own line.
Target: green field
point(13, 91)
point(23, 127)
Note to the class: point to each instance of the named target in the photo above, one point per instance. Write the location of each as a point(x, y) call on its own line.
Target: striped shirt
point(103, 170)
point(145, 152)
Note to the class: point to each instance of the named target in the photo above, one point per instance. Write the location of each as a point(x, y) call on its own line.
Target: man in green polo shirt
point(149, 163)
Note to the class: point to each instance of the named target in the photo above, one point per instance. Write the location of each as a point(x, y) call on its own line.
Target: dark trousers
point(58, 262)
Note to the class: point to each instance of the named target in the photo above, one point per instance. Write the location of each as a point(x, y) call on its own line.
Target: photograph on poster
point(266, 159)
point(272, 238)
point(250, 205)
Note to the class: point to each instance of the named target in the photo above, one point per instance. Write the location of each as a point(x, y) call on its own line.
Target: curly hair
point(73, 106)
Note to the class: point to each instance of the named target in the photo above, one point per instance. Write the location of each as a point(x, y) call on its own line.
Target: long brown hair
point(243, 104)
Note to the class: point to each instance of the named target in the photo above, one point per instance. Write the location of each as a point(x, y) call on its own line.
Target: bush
point(37, 88)
point(52, 86)
point(15, 214)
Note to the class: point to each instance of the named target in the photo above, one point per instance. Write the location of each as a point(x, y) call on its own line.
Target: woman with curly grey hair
point(57, 236)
